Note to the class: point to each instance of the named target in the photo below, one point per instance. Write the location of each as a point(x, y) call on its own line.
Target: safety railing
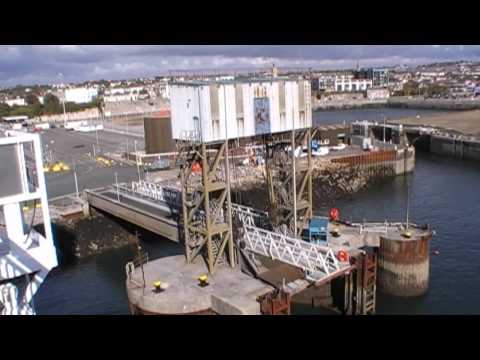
point(190, 135)
point(130, 267)
point(150, 190)
point(248, 215)
point(316, 260)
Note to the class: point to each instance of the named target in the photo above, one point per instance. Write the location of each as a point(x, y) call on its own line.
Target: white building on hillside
point(120, 97)
point(80, 95)
point(16, 102)
point(377, 94)
point(349, 84)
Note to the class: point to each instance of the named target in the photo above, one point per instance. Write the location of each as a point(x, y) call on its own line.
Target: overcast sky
point(43, 63)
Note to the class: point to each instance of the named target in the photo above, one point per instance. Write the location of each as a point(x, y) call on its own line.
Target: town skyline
point(54, 64)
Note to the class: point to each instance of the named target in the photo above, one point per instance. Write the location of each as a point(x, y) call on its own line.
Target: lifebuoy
point(334, 214)
point(342, 256)
point(196, 167)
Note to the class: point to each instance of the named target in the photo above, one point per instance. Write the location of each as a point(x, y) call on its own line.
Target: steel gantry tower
point(289, 165)
point(206, 202)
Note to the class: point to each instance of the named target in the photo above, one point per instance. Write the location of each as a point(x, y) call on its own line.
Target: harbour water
point(329, 117)
point(443, 193)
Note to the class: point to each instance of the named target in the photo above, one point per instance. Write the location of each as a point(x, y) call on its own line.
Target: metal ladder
point(369, 279)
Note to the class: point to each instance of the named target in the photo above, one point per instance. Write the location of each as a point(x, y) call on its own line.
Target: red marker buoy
point(334, 214)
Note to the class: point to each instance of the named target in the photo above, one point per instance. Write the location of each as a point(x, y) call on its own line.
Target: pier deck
point(149, 215)
point(230, 292)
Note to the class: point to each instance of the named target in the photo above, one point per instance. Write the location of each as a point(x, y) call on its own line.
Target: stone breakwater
point(348, 104)
point(331, 181)
point(89, 236)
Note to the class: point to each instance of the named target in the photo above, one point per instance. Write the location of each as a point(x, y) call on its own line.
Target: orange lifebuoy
point(342, 256)
point(334, 214)
point(196, 167)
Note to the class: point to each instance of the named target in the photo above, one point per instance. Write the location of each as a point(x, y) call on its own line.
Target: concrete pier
point(404, 263)
point(230, 292)
point(153, 216)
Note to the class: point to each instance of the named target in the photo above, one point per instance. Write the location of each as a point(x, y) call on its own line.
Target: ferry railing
point(137, 262)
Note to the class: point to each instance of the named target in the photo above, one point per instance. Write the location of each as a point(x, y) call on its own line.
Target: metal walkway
point(319, 262)
point(141, 205)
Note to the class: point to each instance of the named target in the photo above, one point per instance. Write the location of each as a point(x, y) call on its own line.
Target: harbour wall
point(394, 162)
point(455, 146)
point(436, 104)
point(348, 104)
point(398, 102)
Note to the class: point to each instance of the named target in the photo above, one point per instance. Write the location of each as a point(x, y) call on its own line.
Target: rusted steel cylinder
point(404, 265)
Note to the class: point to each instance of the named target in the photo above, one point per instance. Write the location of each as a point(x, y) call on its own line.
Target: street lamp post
point(75, 177)
point(126, 118)
point(96, 135)
point(64, 112)
point(60, 75)
point(136, 160)
point(116, 182)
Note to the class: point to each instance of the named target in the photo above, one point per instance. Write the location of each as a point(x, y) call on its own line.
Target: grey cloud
point(30, 64)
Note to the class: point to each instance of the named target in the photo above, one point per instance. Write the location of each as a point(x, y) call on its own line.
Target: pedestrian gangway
point(317, 261)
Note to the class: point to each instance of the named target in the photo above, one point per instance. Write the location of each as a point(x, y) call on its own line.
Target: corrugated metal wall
point(301, 96)
point(220, 107)
point(281, 96)
point(239, 100)
point(214, 102)
point(214, 109)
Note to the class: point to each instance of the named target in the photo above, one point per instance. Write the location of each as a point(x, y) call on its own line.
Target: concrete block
point(238, 305)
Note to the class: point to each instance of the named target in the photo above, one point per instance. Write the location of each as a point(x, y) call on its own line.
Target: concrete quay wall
point(439, 104)
point(457, 147)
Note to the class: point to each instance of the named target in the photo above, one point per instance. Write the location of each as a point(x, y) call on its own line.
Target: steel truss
point(289, 179)
point(206, 203)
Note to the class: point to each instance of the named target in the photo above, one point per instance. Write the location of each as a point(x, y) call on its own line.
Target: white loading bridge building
point(212, 111)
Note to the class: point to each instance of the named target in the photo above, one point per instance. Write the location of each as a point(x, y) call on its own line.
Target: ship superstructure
point(26, 255)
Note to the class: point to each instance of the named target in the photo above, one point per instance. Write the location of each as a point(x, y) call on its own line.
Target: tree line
point(412, 88)
point(51, 106)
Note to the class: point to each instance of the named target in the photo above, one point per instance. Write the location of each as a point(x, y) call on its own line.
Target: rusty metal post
point(231, 251)
point(186, 233)
point(310, 170)
point(206, 205)
point(346, 294)
point(294, 184)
